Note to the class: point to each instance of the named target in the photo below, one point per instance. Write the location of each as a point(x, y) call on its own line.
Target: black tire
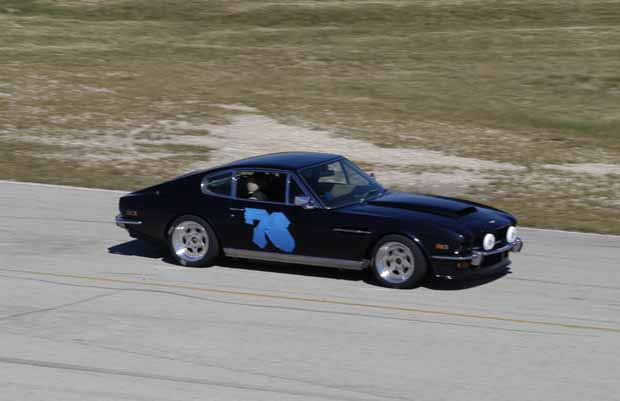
point(195, 231)
point(393, 270)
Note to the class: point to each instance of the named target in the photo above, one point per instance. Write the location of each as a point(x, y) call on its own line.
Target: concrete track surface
point(88, 314)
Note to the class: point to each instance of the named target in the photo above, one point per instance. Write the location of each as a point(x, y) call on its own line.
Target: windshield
point(340, 183)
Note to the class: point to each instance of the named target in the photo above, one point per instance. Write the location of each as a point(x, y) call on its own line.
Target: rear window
point(218, 184)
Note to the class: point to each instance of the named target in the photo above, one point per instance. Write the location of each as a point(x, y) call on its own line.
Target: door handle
point(236, 209)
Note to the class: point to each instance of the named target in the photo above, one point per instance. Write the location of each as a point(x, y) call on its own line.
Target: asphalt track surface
point(88, 314)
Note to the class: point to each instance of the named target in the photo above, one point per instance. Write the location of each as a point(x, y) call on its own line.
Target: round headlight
point(488, 242)
point(511, 234)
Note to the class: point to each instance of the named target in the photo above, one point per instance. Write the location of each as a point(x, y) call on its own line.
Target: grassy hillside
point(87, 85)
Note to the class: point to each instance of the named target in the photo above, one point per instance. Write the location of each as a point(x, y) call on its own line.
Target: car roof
point(283, 160)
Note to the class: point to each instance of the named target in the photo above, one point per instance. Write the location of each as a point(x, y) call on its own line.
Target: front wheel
point(193, 242)
point(398, 262)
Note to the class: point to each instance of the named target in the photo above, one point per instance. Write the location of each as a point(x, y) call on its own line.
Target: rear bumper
point(126, 223)
point(478, 263)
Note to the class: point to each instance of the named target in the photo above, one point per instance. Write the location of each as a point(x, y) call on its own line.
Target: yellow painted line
point(322, 301)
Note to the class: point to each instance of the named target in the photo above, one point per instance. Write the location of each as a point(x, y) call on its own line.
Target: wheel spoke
point(394, 262)
point(190, 241)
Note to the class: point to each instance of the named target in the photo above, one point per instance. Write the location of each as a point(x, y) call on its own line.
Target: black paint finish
point(347, 232)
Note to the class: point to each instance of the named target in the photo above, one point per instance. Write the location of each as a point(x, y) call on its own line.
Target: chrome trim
point(296, 259)
point(351, 231)
point(121, 222)
point(477, 259)
point(455, 258)
point(517, 245)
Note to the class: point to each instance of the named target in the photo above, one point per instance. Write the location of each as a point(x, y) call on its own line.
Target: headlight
point(488, 242)
point(511, 234)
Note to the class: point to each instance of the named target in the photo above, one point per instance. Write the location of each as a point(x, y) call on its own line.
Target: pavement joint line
point(126, 192)
point(551, 230)
point(40, 184)
point(162, 377)
point(321, 301)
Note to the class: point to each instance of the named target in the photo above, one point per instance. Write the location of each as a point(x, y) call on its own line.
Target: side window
point(294, 190)
point(261, 186)
point(219, 184)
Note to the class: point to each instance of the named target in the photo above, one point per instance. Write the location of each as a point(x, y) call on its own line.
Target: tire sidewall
point(421, 264)
point(214, 247)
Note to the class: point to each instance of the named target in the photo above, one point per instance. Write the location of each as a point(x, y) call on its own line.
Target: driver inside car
point(254, 187)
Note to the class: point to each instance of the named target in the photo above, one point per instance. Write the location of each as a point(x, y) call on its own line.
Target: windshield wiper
point(364, 198)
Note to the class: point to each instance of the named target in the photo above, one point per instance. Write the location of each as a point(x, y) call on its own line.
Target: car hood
point(446, 207)
point(460, 216)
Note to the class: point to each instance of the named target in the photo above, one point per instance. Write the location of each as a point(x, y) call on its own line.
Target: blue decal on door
point(272, 226)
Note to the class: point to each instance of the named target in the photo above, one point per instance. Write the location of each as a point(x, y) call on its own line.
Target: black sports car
point(319, 209)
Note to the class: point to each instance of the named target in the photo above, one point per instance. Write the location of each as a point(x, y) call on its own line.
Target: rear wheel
point(193, 242)
point(398, 262)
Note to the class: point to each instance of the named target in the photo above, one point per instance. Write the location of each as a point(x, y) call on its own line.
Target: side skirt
point(296, 259)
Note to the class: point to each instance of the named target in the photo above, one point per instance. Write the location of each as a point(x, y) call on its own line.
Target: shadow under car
point(141, 248)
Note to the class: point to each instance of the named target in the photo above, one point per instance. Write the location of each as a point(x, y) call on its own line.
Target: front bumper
point(479, 262)
point(126, 223)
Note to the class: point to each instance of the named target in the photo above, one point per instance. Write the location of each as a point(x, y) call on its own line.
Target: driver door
point(261, 216)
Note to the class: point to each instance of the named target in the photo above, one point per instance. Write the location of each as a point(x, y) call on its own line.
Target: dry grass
point(100, 89)
point(545, 198)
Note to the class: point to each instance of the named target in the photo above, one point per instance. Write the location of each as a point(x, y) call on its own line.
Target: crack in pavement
point(324, 301)
point(293, 308)
point(58, 219)
point(176, 379)
point(344, 388)
point(57, 307)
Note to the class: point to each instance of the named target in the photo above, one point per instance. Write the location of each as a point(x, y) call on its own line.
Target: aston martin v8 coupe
point(319, 209)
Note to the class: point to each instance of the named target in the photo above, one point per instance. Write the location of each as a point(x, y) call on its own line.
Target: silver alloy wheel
point(190, 241)
point(394, 262)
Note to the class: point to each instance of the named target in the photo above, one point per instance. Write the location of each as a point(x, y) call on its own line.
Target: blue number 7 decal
point(270, 226)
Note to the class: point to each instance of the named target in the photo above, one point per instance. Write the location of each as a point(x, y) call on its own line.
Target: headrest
point(252, 187)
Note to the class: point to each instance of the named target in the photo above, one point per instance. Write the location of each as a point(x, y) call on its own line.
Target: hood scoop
point(426, 203)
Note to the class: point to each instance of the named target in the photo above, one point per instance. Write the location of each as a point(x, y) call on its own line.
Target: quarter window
point(219, 184)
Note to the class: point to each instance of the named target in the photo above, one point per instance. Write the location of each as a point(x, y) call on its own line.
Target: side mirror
point(304, 201)
point(372, 175)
